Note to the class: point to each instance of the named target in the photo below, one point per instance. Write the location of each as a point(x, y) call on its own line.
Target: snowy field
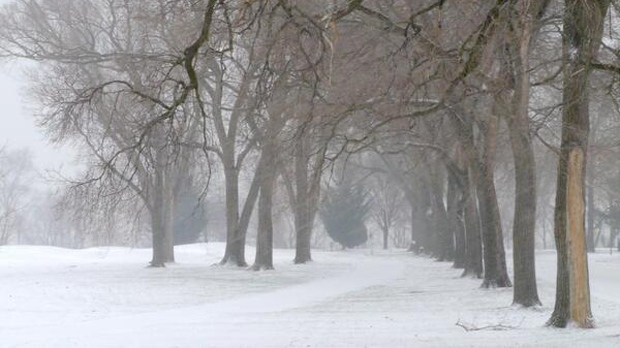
point(105, 297)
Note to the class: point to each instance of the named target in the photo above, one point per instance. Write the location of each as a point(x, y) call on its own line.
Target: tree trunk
point(159, 253)
point(168, 216)
point(524, 220)
point(250, 201)
point(455, 215)
point(157, 224)
point(414, 246)
point(264, 240)
point(495, 271)
point(463, 126)
point(386, 232)
point(473, 260)
point(513, 104)
point(524, 223)
point(424, 219)
point(161, 218)
point(235, 241)
point(443, 234)
point(583, 25)
point(591, 207)
point(303, 219)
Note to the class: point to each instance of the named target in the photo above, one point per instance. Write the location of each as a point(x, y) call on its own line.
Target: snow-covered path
point(106, 298)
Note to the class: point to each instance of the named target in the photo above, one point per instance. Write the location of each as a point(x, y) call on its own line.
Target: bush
point(343, 212)
point(190, 219)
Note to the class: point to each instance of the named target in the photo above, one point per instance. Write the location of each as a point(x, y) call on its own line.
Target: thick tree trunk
point(524, 221)
point(495, 271)
point(161, 218)
point(443, 235)
point(264, 240)
point(513, 104)
point(235, 241)
point(304, 217)
point(583, 24)
point(159, 253)
point(560, 316)
point(157, 231)
point(473, 260)
point(579, 289)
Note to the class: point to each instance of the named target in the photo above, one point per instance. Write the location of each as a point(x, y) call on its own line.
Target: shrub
point(343, 212)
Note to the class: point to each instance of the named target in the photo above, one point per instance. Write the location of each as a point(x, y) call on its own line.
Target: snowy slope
point(105, 297)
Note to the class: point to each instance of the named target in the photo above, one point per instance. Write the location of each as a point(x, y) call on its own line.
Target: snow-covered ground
point(105, 297)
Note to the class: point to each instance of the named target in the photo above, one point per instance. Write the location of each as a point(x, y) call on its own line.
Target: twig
point(472, 327)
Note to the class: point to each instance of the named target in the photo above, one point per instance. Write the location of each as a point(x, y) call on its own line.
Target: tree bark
point(517, 117)
point(264, 240)
point(583, 26)
point(235, 241)
point(591, 245)
point(524, 223)
point(473, 260)
point(455, 215)
point(303, 219)
point(443, 234)
point(495, 271)
point(463, 126)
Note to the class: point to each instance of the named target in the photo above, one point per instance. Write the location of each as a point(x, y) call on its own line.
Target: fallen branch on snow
point(472, 327)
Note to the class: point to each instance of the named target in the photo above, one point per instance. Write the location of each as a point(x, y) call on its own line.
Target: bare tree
point(117, 79)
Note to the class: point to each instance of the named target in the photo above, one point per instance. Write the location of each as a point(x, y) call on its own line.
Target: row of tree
point(161, 94)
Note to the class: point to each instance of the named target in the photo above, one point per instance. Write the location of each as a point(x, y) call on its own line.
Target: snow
point(105, 297)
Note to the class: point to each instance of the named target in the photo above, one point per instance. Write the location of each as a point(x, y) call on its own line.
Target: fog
point(338, 166)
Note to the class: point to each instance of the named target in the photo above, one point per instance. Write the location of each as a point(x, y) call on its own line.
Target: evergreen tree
point(343, 212)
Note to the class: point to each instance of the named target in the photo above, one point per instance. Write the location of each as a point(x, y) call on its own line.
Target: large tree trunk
point(161, 217)
point(235, 241)
point(517, 67)
point(583, 24)
point(157, 224)
point(157, 232)
point(264, 240)
point(524, 223)
point(495, 271)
